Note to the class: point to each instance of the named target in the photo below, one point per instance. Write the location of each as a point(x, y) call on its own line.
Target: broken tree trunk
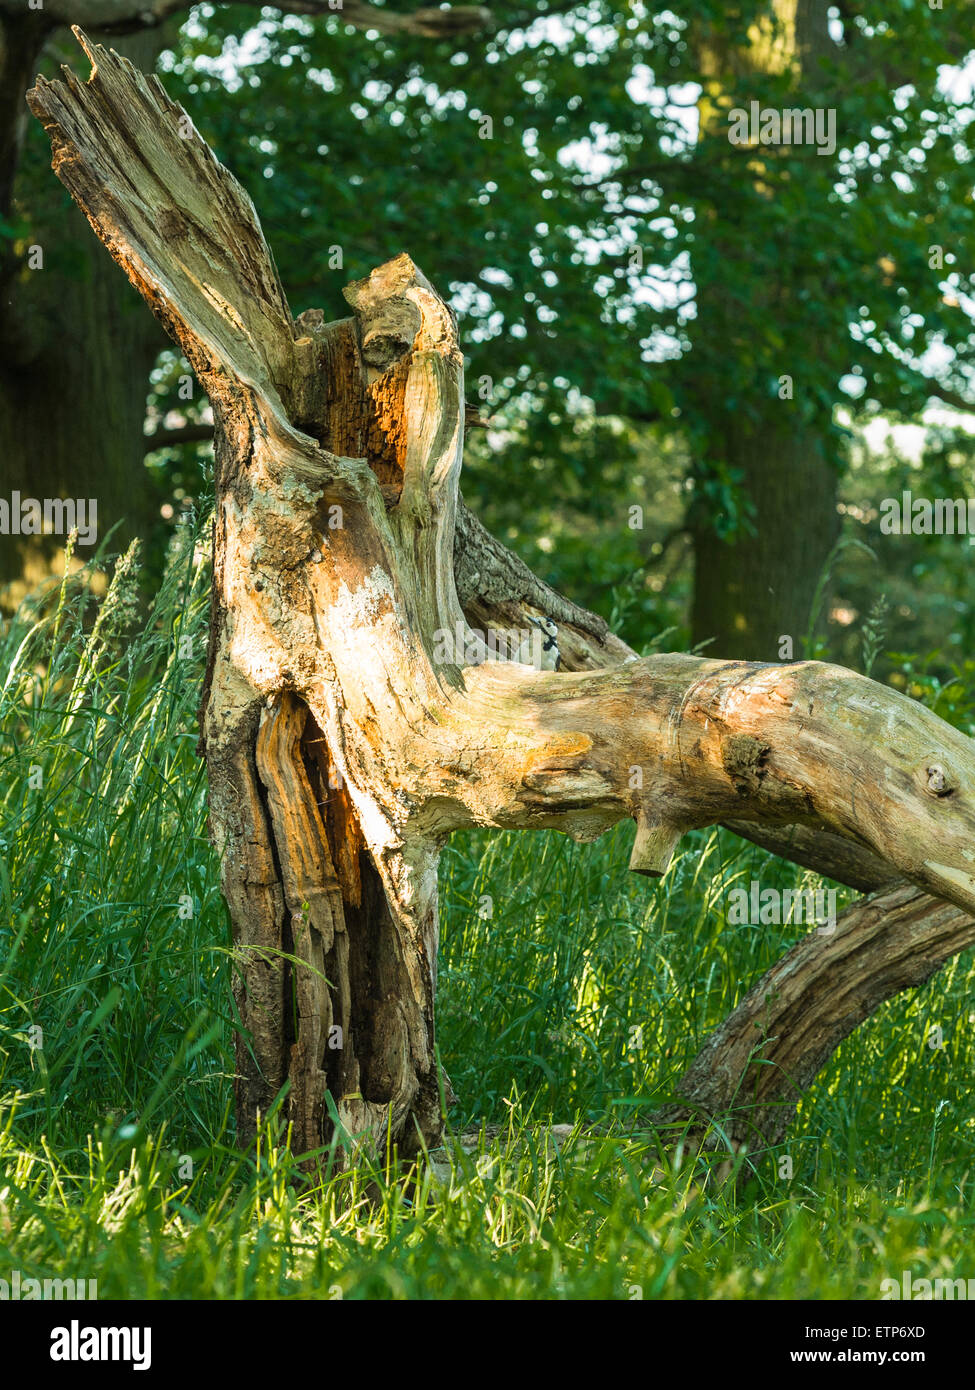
point(353, 719)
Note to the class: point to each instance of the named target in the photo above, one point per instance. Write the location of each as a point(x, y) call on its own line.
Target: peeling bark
point(343, 746)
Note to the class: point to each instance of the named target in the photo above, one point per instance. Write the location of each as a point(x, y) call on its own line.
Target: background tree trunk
point(758, 586)
point(752, 592)
point(73, 408)
point(76, 350)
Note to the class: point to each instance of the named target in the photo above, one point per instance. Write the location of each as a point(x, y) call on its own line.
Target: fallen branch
point(745, 1082)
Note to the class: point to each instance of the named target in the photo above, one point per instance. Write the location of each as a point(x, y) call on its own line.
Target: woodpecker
point(551, 659)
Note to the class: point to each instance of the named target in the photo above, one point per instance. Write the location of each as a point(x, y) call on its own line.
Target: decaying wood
point(343, 744)
point(748, 1078)
point(497, 590)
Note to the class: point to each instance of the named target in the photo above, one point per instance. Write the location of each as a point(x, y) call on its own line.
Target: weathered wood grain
point(324, 656)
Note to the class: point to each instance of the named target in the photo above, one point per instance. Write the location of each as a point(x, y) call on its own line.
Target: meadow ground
point(577, 995)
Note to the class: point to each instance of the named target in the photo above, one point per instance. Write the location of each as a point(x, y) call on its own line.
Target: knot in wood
point(744, 760)
point(938, 783)
point(381, 349)
point(172, 224)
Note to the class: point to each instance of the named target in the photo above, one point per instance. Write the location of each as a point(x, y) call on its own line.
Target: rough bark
point(343, 745)
point(498, 591)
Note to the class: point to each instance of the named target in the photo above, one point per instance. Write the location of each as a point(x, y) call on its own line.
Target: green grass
point(578, 992)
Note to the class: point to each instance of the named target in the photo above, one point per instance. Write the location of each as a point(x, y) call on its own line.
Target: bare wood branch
point(754, 1068)
point(498, 590)
point(128, 16)
point(178, 223)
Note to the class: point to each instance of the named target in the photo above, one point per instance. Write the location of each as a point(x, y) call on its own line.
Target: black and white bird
point(550, 658)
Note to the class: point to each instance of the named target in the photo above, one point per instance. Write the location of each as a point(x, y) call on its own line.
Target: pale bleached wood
point(324, 644)
point(744, 1084)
